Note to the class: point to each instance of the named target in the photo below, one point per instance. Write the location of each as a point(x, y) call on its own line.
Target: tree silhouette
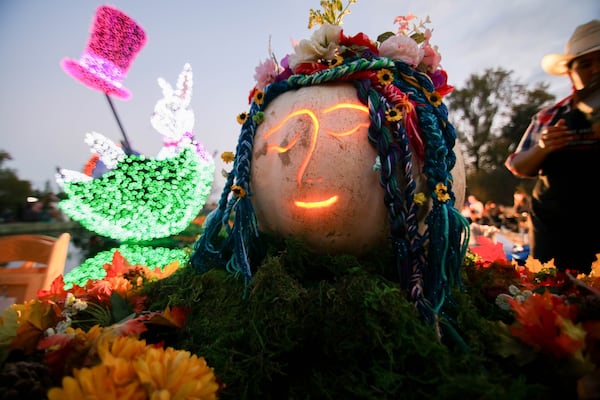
point(13, 191)
point(490, 114)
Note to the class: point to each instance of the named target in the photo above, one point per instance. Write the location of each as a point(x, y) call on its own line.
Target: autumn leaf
point(56, 292)
point(118, 267)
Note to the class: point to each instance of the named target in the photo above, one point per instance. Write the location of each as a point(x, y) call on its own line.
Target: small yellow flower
point(227, 156)
point(259, 97)
point(242, 117)
point(336, 61)
point(385, 76)
point(434, 98)
point(419, 198)
point(441, 191)
point(393, 114)
point(238, 191)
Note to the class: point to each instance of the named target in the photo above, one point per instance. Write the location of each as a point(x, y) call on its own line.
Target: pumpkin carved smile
point(317, 204)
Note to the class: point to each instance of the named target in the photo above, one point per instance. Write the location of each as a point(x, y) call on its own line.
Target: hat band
point(102, 68)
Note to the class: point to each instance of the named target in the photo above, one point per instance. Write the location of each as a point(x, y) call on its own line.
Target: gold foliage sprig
point(333, 13)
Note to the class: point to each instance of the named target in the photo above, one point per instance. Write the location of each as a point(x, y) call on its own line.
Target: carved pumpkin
point(313, 172)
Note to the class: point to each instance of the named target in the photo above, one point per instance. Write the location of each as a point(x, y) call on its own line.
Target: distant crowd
point(512, 218)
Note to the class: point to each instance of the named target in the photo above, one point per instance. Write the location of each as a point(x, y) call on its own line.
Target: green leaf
point(384, 36)
point(120, 308)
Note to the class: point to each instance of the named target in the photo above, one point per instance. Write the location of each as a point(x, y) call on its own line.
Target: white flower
point(323, 44)
point(502, 301)
point(512, 289)
point(403, 48)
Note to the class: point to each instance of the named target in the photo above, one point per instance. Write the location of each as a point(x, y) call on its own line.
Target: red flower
point(308, 68)
point(545, 322)
point(56, 293)
point(440, 82)
point(358, 40)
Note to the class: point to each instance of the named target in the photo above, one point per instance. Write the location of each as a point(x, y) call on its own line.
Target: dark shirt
point(564, 209)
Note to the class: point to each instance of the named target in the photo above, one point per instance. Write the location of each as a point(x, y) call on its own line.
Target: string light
point(143, 198)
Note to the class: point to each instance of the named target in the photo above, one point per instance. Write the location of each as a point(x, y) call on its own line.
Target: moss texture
point(337, 327)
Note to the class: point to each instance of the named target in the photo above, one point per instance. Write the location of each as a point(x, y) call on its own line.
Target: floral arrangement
point(551, 315)
point(329, 47)
point(99, 340)
point(102, 340)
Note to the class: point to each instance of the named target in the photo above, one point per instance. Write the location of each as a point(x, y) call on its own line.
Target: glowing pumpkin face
point(312, 171)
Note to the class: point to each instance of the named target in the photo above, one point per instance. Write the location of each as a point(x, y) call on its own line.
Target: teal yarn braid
point(446, 227)
point(241, 240)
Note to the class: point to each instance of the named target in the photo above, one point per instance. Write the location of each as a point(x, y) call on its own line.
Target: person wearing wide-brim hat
point(561, 149)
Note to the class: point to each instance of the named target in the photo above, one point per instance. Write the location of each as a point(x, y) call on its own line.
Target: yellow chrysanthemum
point(385, 76)
point(227, 156)
point(125, 347)
point(98, 383)
point(176, 374)
point(118, 354)
point(441, 191)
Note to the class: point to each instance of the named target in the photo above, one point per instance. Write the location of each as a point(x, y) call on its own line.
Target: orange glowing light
point(317, 204)
point(341, 106)
point(294, 137)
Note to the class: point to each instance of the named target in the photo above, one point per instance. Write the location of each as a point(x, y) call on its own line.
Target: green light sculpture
point(135, 199)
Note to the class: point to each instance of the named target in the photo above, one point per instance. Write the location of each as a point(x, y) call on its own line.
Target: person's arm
point(526, 162)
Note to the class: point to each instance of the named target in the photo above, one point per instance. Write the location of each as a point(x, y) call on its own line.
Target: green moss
point(333, 327)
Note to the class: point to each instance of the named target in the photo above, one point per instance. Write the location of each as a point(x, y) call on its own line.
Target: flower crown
point(329, 47)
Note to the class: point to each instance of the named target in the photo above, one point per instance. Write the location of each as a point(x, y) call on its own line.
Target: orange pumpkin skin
point(307, 152)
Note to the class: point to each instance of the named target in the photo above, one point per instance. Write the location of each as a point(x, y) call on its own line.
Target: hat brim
point(85, 76)
point(557, 64)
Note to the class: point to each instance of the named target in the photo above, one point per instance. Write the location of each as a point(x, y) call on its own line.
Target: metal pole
point(125, 141)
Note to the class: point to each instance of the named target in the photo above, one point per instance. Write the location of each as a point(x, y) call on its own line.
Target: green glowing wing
point(142, 198)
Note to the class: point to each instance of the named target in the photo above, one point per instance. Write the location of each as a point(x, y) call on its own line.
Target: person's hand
point(555, 137)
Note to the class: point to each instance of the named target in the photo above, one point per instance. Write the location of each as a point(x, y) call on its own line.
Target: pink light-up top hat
point(114, 42)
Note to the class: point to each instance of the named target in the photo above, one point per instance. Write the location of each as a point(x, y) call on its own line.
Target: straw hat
point(584, 40)
point(115, 39)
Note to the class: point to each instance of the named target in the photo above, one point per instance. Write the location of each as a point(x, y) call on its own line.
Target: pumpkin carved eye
point(344, 118)
point(305, 122)
point(283, 147)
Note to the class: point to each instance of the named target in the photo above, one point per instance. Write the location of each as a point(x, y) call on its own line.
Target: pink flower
point(403, 22)
point(266, 72)
point(403, 48)
point(431, 58)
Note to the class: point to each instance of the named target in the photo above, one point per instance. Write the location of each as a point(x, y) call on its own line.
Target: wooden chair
point(40, 259)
